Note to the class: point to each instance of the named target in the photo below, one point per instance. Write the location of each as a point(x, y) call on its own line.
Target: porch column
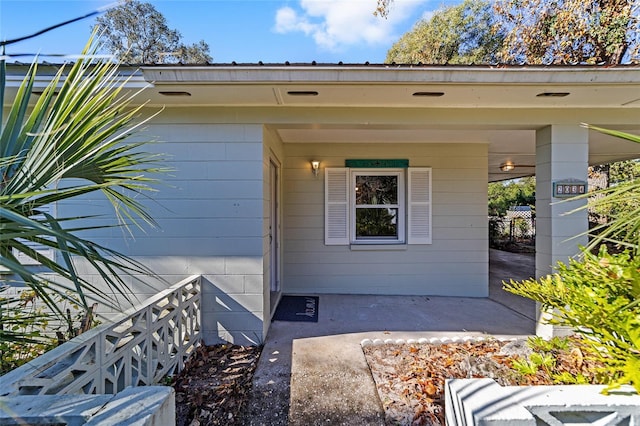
point(562, 153)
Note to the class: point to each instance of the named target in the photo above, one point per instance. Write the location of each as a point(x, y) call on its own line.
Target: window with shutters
point(377, 212)
point(377, 206)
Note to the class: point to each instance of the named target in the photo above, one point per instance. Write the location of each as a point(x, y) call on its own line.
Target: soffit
point(309, 92)
point(441, 87)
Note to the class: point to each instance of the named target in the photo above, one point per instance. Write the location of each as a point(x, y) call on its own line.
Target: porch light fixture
point(507, 167)
point(315, 165)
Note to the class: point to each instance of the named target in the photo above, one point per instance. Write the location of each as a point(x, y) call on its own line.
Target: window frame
point(418, 202)
point(401, 205)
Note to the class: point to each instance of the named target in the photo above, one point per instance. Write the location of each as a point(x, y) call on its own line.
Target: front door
point(274, 228)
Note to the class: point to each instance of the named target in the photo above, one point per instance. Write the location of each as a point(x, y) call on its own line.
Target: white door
point(274, 231)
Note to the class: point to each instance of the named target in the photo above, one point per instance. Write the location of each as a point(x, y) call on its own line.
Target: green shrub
point(540, 344)
point(28, 329)
point(535, 362)
point(21, 330)
point(599, 297)
point(496, 231)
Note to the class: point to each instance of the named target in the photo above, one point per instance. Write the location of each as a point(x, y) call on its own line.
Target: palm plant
point(623, 228)
point(68, 142)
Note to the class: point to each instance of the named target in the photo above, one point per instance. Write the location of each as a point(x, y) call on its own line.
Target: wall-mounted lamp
point(315, 165)
point(508, 166)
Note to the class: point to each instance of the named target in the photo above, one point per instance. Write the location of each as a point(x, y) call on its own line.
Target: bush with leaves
point(496, 231)
point(21, 326)
point(598, 294)
point(28, 329)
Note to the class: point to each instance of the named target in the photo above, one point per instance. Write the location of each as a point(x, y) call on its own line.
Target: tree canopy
point(462, 34)
point(523, 31)
point(138, 34)
point(517, 192)
point(570, 31)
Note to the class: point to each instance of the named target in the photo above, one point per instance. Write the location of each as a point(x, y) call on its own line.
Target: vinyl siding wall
point(456, 264)
point(209, 211)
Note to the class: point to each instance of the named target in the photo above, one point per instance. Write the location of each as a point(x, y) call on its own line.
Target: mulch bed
point(410, 377)
point(215, 385)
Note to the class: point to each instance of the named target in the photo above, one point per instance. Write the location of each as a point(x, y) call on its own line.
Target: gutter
point(390, 74)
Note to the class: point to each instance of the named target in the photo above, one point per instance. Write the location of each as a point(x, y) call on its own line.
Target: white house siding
point(456, 264)
point(209, 210)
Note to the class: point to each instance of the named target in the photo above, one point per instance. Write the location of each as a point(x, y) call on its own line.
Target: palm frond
point(623, 227)
point(615, 133)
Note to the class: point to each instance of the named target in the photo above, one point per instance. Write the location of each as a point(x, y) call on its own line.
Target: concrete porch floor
point(316, 373)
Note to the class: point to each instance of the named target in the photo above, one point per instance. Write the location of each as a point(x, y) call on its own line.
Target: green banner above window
point(380, 164)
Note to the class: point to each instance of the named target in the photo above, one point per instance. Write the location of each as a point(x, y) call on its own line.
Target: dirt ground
point(410, 378)
point(215, 387)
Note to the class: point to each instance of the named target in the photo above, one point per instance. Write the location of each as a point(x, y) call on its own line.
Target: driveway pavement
point(316, 373)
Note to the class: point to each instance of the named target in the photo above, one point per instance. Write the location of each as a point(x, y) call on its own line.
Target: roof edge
point(379, 75)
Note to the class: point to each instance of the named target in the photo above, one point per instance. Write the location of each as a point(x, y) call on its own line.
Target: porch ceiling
point(509, 145)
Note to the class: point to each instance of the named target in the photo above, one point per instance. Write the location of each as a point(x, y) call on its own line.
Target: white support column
point(562, 153)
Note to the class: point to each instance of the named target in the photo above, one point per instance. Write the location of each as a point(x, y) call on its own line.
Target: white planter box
point(483, 402)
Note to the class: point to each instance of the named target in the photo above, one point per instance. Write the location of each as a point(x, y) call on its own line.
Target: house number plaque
point(566, 189)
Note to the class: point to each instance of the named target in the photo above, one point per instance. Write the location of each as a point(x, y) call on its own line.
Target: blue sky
point(272, 31)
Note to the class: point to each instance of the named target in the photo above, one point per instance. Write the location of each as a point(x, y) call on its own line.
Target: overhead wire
point(4, 43)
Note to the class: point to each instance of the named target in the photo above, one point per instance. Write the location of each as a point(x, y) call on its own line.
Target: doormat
point(297, 308)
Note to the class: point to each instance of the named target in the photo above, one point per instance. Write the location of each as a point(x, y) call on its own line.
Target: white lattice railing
point(144, 345)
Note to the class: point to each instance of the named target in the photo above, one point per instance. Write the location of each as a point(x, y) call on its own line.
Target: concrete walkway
point(316, 373)
point(504, 266)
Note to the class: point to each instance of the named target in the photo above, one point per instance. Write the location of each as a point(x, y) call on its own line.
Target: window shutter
point(336, 206)
point(45, 251)
point(419, 215)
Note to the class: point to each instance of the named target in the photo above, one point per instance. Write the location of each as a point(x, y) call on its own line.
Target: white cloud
point(287, 20)
point(338, 24)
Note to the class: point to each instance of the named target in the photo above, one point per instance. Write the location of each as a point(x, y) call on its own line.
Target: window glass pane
point(376, 223)
point(374, 190)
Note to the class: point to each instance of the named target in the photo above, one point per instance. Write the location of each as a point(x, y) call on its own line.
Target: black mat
point(297, 308)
